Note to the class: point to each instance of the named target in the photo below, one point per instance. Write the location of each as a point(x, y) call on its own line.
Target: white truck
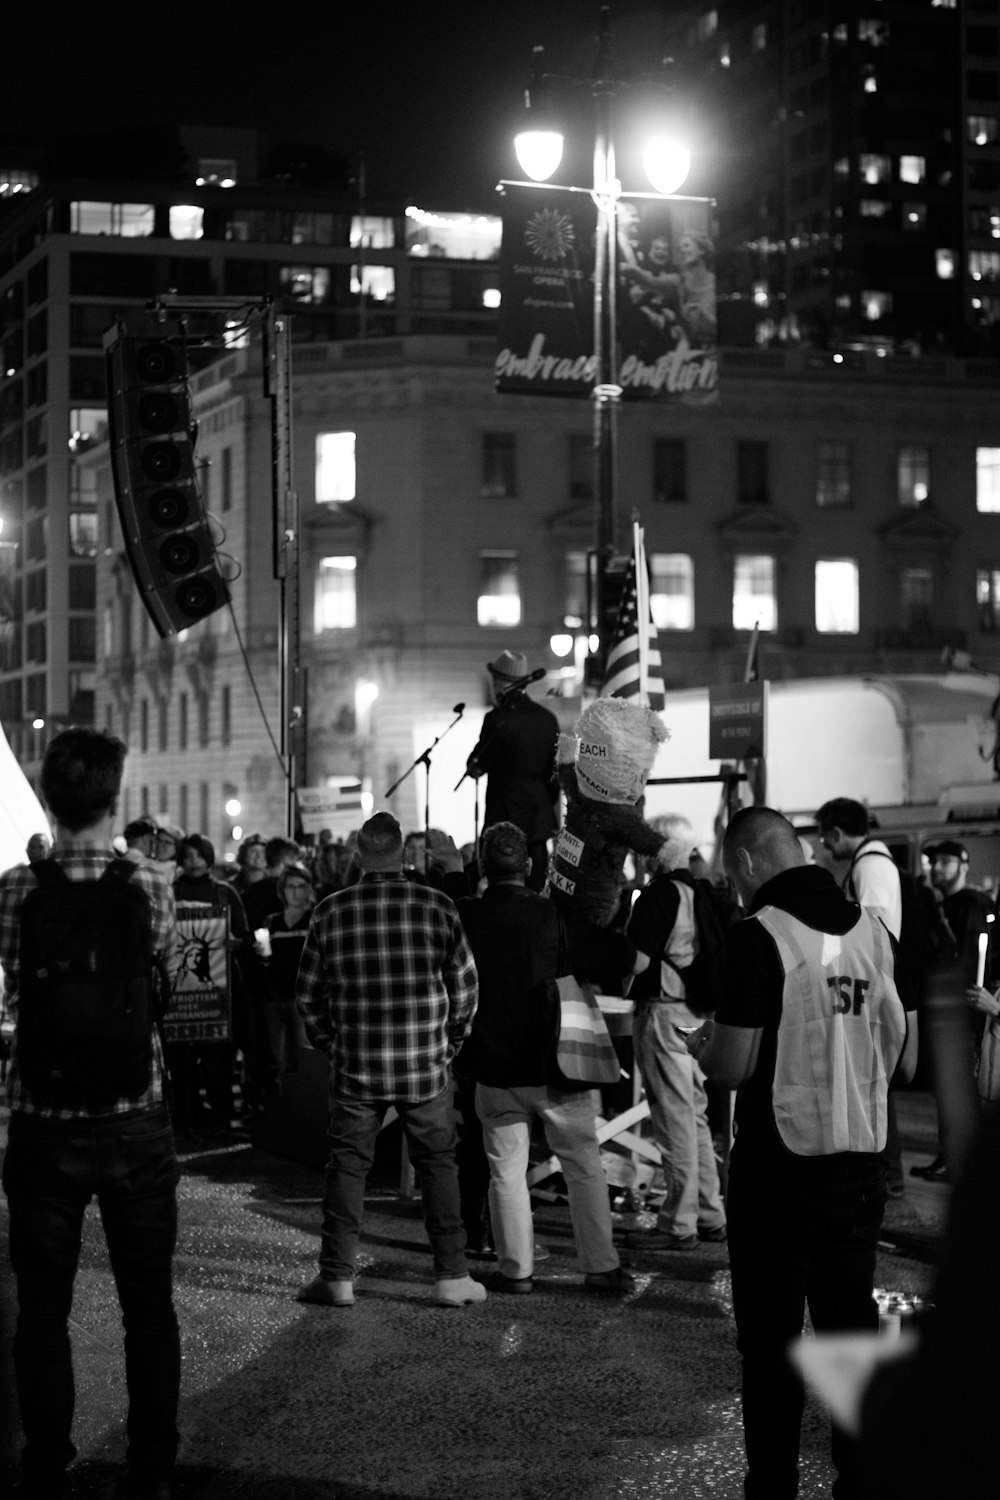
point(920, 751)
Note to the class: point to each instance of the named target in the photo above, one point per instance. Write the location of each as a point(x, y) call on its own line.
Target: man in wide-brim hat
point(516, 751)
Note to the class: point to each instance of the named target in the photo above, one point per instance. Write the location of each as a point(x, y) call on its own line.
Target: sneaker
point(512, 1286)
point(540, 1251)
point(660, 1239)
point(616, 1283)
point(480, 1252)
point(458, 1291)
point(934, 1171)
point(713, 1236)
point(323, 1293)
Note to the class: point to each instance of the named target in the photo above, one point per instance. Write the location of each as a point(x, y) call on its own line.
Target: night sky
point(430, 92)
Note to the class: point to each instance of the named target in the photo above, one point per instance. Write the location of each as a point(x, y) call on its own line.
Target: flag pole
point(641, 609)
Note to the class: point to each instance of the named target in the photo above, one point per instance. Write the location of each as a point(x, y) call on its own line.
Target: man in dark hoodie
point(810, 1030)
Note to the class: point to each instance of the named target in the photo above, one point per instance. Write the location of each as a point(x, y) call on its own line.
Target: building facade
point(848, 505)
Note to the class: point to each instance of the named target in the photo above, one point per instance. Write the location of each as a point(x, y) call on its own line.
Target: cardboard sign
point(737, 721)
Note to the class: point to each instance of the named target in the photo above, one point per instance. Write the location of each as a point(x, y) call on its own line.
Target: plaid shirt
point(80, 863)
point(388, 984)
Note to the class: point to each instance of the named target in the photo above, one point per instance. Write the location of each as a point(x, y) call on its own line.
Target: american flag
point(634, 669)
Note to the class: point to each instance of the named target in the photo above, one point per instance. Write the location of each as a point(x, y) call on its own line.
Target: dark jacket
point(514, 934)
point(517, 750)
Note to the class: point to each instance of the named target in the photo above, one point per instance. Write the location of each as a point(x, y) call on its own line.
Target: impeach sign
point(199, 1008)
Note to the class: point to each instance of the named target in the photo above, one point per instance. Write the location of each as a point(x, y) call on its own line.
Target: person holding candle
point(965, 909)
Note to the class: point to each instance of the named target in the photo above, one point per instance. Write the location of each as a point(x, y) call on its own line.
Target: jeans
point(570, 1124)
point(430, 1133)
point(52, 1170)
point(818, 1247)
point(678, 1108)
point(286, 1034)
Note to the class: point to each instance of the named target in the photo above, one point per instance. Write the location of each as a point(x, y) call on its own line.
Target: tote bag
point(585, 1052)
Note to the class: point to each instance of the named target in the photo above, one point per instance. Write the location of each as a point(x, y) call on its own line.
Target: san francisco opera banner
point(665, 296)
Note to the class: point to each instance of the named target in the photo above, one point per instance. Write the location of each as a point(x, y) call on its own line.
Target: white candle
point(984, 939)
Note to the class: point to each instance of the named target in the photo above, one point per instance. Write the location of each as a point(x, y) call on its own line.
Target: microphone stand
point(424, 759)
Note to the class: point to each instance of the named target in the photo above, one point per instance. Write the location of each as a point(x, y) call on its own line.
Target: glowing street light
point(539, 149)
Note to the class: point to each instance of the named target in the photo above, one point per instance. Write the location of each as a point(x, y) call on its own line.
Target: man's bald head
point(758, 844)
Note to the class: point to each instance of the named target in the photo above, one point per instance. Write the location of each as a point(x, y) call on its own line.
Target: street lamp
point(539, 148)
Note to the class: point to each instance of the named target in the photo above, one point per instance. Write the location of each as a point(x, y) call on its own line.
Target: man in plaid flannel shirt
point(58, 1159)
point(387, 985)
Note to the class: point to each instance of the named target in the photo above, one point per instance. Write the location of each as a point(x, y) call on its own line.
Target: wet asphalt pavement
point(561, 1395)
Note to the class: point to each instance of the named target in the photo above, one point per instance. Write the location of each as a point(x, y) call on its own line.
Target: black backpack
point(926, 940)
point(714, 912)
point(86, 996)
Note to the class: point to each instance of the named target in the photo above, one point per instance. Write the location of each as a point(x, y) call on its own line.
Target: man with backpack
point(80, 939)
point(874, 880)
point(673, 968)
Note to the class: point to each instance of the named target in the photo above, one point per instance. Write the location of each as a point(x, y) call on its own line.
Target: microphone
point(521, 682)
point(459, 708)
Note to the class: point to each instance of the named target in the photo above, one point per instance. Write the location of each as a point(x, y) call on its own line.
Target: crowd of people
point(426, 972)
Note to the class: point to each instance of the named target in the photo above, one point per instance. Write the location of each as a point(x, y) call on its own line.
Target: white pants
point(570, 1124)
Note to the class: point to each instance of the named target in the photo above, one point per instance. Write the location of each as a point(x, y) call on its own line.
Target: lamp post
point(539, 151)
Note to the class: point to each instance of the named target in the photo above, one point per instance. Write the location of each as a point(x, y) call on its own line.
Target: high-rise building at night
point(857, 167)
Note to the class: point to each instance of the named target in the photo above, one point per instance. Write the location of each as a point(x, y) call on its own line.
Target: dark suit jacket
point(517, 750)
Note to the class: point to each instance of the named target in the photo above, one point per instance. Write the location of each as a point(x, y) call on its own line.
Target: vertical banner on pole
point(200, 1008)
point(666, 298)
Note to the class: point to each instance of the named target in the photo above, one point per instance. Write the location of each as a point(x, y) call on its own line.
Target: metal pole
point(606, 392)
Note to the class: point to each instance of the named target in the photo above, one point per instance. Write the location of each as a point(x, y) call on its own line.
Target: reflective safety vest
point(840, 1036)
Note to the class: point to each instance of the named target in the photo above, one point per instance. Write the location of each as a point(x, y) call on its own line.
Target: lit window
point(452, 235)
point(912, 168)
point(218, 171)
point(377, 282)
point(87, 425)
point(83, 533)
point(982, 130)
point(833, 474)
point(988, 479)
point(671, 591)
point(491, 296)
point(186, 221)
point(988, 599)
point(914, 216)
point(336, 606)
point(576, 589)
point(499, 602)
point(758, 37)
point(754, 601)
point(129, 220)
point(707, 24)
point(874, 208)
point(984, 265)
point(875, 168)
point(373, 231)
point(837, 596)
point(944, 264)
point(871, 81)
point(913, 476)
point(875, 33)
point(842, 166)
point(16, 180)
point(306, 283)
point(336, 467)
point(875, 305)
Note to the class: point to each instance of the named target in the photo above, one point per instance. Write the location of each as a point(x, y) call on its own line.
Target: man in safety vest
point(810, 1030)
